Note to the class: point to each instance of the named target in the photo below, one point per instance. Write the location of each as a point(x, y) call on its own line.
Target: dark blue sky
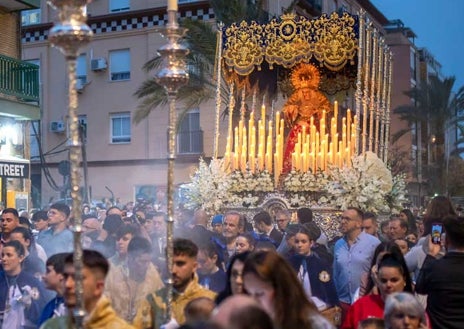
point(439, 26)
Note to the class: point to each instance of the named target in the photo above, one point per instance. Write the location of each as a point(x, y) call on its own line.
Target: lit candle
point(348, 122)
point(236, 149)
point(240, 131)
point(244, 144)
point(348, 154)
point(235, 162)
point(336, 110)
point(270, 132)
point(304, 161)
point(172, 5)
point(263, 112)
point(277, 118)
point(341, 150)
point(276, 171)
point(250, 130)
point(317, 143)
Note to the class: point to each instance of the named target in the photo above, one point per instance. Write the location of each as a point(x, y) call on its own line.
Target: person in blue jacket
point(314, 272)
point(22, 296)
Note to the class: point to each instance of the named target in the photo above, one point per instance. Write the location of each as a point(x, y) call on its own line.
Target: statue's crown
point(305, 76)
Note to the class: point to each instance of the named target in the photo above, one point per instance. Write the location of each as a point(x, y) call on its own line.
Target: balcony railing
point(190, 142)
point(19, 78)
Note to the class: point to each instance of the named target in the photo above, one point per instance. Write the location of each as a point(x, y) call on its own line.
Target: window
point(120, 128)
point(120, 65)
point(190, 136)
point(413, 64)
point(34, 133)
point(31, 77)
point(81, 68)
point(30, 17)
point(119, 5)
point(82, 119)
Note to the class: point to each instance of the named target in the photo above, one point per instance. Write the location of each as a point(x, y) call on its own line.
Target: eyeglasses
point(281, 220)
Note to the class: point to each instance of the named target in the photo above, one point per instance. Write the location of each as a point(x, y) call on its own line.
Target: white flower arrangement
point(367, 184)
point(210, 187)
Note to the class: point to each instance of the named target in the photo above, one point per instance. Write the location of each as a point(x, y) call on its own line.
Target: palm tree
point(438, 110)
point(201, 39)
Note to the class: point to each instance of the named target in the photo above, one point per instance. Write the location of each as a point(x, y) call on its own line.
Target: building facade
point(19, 103)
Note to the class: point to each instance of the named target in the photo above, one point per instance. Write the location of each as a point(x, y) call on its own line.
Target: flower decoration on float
point(367, 184)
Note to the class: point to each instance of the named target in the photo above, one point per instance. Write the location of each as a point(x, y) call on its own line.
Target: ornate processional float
point(315, 152)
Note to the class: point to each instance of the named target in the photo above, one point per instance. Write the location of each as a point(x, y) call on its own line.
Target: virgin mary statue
point(305, 102)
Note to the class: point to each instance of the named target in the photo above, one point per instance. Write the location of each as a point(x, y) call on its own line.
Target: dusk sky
point(439, 26)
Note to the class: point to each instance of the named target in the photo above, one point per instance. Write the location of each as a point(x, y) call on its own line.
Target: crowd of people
point(271, 271)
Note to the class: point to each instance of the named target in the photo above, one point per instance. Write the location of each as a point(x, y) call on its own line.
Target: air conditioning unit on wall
point(79, 85)
point(98, 64)
point(57, 126)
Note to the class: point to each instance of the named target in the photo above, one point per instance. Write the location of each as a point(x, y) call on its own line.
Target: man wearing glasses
point(58, 238)
point(282, 219)
point(352, 256)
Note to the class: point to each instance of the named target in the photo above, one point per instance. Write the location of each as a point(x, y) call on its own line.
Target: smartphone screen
point(437, 230)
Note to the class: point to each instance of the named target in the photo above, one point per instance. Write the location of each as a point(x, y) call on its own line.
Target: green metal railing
point(19, 78)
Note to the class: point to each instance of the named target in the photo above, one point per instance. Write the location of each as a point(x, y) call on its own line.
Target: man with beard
point(185, 289)
point(353, 254)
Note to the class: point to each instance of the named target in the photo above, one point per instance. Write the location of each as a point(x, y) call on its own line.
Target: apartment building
point(123, 159)
point(19, 99)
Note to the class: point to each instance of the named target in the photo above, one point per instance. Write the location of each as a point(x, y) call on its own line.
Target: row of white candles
point(257, 148)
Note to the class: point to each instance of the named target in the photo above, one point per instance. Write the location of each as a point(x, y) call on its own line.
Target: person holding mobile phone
point(443, 279)
point(438, 208)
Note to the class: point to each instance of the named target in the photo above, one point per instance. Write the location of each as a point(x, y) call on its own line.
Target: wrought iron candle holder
point(172, 77)
point(69, 34)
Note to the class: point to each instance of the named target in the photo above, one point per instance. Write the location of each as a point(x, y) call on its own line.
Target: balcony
point(19, 79)
point(17, 5)
point(19, 88)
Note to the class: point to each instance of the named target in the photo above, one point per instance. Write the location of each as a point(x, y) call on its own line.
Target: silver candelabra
point(172, 76)
point(69, 34)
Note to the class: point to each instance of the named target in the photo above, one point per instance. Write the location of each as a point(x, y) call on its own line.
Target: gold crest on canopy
point(331, 40)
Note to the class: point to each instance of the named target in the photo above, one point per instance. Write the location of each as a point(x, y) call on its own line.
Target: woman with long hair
point(22, 296)
point(438, 208)
point(392, 276)
point(274, 284)
point(32, 262)
point(234, 278)
point(407, 216)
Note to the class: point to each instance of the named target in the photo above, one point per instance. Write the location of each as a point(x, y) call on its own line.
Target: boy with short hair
point(97, 307)
point(54, 280)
